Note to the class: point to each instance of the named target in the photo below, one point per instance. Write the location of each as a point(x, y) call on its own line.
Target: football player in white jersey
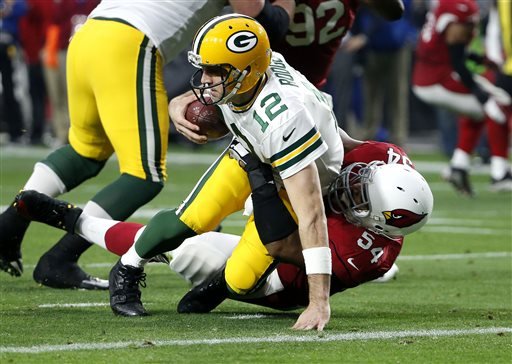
point(118, 104)
point(274, 112)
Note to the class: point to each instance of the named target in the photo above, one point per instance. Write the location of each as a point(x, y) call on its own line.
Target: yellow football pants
point(222, 190)
point(117, 98)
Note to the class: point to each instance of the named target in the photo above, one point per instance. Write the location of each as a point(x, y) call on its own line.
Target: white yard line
point(73, 305)
point(327, 337)
point(466, 230)
point(456, 256)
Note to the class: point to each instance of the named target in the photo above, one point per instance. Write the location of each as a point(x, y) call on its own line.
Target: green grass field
point(451, 301)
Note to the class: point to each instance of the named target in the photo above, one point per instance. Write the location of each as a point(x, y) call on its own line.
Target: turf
point(451, 301)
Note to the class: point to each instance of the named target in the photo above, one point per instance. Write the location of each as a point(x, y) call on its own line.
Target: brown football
point(209, 119)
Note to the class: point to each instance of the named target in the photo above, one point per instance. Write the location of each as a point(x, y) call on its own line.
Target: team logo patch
point(242, 41)
point(402, 218)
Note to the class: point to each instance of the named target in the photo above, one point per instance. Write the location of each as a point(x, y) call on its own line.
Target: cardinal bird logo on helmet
point(402, 218)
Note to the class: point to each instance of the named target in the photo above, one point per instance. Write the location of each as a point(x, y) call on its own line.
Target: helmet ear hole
point(378, 227)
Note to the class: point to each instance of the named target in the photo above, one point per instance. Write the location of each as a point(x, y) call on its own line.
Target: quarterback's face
point(213, 77)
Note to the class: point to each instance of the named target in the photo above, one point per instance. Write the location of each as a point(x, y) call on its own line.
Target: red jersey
point(33, 30)
point(358, 254)
point(377, 151)
point(433, 63)
point(69, 15)
point(315, 34)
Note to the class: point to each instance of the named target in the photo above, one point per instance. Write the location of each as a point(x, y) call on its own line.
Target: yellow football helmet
point(239, 46)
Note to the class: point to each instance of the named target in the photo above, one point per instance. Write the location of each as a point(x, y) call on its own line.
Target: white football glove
point(500, 96)
point(493, 110)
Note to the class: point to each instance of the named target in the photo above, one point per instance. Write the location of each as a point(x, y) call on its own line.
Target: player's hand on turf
point(177, 110)
point(316, 316)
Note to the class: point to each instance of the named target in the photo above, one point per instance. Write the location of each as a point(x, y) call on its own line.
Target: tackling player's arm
point(305, 195)
point(388, 9)
point(349, 143)
point(457, 36)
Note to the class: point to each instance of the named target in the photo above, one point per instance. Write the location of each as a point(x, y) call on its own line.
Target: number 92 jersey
point(317, 29)
point(289, 125)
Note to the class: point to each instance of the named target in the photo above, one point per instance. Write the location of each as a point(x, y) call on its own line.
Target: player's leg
point(246, 270)
point(398, 97)
point(61, 171)
point(469, 132)
point(201, 256)
point(374, 81)
point(221, 191)
point(501, 176)
point(132, 104)
point(499, 139)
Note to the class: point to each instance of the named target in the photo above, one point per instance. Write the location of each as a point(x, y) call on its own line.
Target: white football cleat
point(389, 275)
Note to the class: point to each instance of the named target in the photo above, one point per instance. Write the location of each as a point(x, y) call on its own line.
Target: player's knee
point(240, 281)
point(196, 261)
point(71, 167)
point(243, 275)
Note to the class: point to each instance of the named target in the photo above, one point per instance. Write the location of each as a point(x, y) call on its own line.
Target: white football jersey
point(289, 125)
point(169, 24)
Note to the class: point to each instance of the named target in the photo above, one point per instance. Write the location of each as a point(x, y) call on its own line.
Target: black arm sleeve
point(275, 20)
point(271, 217)
point(458, 59)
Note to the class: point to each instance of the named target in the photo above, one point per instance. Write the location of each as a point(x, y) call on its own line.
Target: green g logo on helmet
point(241, 42)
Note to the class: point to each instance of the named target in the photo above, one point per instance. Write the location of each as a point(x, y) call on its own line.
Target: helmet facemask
point(238, 46)
point(389, 199)
point(231, 81)
point(348, 193)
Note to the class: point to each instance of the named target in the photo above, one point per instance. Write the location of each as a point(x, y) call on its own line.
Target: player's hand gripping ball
point(209, 119)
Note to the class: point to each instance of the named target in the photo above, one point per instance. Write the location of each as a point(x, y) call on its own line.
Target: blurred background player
point(11, 12)
point(441, 77)
point(64, 18)
point(32, 37)
point(386, 59)
point(117, 103)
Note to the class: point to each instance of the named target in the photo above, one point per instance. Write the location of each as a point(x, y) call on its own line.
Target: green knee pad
point(71, 167)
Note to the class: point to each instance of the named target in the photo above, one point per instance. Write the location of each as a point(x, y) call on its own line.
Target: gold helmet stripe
point(198, 39)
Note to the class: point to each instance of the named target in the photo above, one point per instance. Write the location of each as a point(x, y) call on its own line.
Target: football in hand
point(209, 119)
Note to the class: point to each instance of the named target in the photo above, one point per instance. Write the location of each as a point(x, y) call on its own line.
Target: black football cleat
point(459, 179)
point(206, 296)
point(164, 258)
point(12, 230)
point(36, 206)
point(55, 272)
point(124, 281)
point(502, 185)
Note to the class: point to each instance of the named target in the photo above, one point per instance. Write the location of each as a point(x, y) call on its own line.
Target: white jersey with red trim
point(289, 125)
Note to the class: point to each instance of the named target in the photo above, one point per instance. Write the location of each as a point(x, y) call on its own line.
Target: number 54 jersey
point(289, 125)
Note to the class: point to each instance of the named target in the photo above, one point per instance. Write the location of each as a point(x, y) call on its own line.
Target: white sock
point(93, 229)
point(45, 180)
point(132, 258)
point(93, 209)
point(461, 159)
point(499, 167)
